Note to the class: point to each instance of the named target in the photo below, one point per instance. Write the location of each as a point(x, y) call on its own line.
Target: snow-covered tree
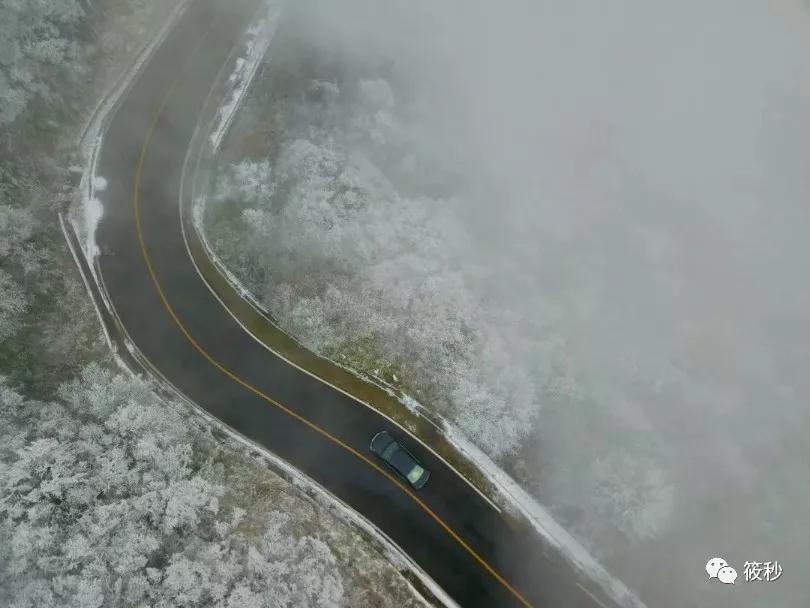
point(629, 494)
point(104, 501)
point(110, 496)
point(13, 303)
point(323, 232)
point(37, 43)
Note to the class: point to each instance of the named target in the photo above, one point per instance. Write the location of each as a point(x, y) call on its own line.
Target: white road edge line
point(85, 280)
point(591, 595)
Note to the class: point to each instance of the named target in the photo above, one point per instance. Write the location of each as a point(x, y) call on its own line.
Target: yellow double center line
point(249, 387)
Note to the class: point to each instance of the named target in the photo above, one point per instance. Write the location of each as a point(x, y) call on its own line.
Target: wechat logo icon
point(718, 568)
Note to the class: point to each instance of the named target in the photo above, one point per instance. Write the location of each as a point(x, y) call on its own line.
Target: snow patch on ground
point(257, 40)
point(93, 212)
point(93, 136)
point(412, 404)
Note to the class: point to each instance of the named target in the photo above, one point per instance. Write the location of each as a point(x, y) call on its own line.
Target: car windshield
point(415, 474)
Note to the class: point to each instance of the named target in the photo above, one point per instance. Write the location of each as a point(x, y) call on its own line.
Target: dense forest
point(111, 495)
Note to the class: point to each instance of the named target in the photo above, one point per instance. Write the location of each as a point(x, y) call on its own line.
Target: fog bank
point(580, 230)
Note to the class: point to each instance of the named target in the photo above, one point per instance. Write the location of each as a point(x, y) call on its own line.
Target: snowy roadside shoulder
point(81, 221)
point(253, 49)
point(85, 217)
point(221, 107)
point(542, 520)
point(516, 499)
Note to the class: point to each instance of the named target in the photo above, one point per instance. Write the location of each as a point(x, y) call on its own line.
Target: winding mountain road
point(182, 329)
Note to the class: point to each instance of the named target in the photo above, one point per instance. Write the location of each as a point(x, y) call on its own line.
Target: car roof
point(403, 461)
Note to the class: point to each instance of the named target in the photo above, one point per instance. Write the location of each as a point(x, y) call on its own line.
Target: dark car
point(399, 459)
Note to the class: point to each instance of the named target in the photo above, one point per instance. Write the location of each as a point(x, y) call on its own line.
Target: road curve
point(186, 334)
